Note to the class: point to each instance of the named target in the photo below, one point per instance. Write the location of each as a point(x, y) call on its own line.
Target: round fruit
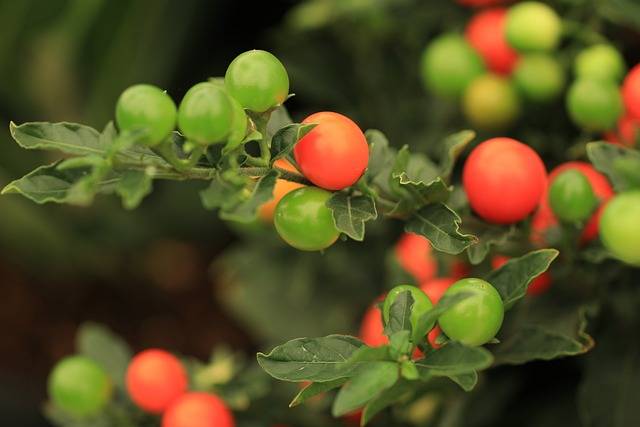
point(626, 133)
point(304, 221)
point(435, 288)
point(491, 102)
point(449, 64)
point(421, 304)
point(258, 80)
point(571, 197)
point(600, 62)
point(155, 379)
point(485, 32)
point(477, 319)
point(238, 124)
point(504, 180)
point(620, 227)
point(281, 189)
point(538, 286)
point(198, 410)
point(432, 337)
point(334, 154)
point(79, 386)
point(414, 255)
point(539, 77)
point(533, 26)
point(631, 92)
point(205, 114)
point(594, 104)
point(372, 328)
point(148, 108)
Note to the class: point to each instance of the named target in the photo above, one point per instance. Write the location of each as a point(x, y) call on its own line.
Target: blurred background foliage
point(170, 274)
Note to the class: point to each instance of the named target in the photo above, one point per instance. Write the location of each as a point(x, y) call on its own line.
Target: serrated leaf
point(430, 317)
point(455, 359)
point(454, 145)
point(400, 314)
point(488, 235)
point(399, 391)
point(513, 278)
point(48, 184)
point(370, 380)
point(441, 226)
point(315, 389)
point(466, 381)
point(70, 138)
point(351, 212)
point(247, 209)
point(311, 359)
point(286, 138)
point(109, 350)
point(134, 186)
point(620, 164)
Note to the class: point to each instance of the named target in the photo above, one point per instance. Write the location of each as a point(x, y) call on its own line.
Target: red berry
point(372, 329)
point(631, 92)
point(504, 180)
point(432, 337)
point(353, 419)
point(198, 410)
point(538, 286)
point(413, 252)
point(627, 132)
point(334, 154)
point(485, 33)
point(435, 288)
point(155, 379)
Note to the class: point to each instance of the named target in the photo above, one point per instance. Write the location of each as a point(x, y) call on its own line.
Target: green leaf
point(278, 119)
point(370, 354)
point(513, 278)
point(400, 343)
point(49, 184)
point(380, 156)
point(109, 350)
point(351, 212)
point(488, 235)
point(454, 145)
point(400, 314)
point(620, 164)
point(134, 186)
point(315, 389)
point(69, 138)
point(225, 191)
point(311, 359)
point(466, 381)
point(441, 226)
point(89, 161)
point(454, 359)
point(247, 209)
point(286, 138)
point(369, 381)
point(399, 391)
point(408, 370)
point(432, 316)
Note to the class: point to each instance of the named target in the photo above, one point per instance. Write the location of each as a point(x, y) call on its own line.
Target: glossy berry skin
point(539, 77)
point(421, 304)
point(538, 286)
point(198, 410)
point(334, 154)
point(533, 27)
point(79, 386)
point(491, 102)
point(205, 114)
point(155, 379)
point(477, 319)
point(281, 189)
point(594, 104)
point(304, 221)
point(631, 92)
point(435, 288)
point(504, 180)
point(257, 80)
point(626, 133)
point(449, 64)
point(600, 62)
point(149, 108)
point(485, 32)
point(372, 328)
point(571, 197)
point(414, 254)
point(620, 227)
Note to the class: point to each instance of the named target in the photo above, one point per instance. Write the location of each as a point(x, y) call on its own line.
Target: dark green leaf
point(134, 186)
point(286, 138)
point(370, 354)
point(400, 343)
point(455, 359)
point(369, 380)
point(399, 391)
point(380, 157)
point(467, 381)
point(315, 389)
point(278, 119)
point(488, 235)
point(351, 212)
point(400, 314)
point(620, 164)
point(70, 138)
point(225, 191)
point(311, 359)
point(246, 210)
point(513, 278)
point(441, 226)
point(432, 316)
point(454, 145)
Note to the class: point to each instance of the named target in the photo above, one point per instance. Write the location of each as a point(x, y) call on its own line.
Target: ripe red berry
point(626, 133)
point(372, 329)
point(504, 180)
point(485, 33)
point(413, 252)
point(334, 154)
point(432, 337)
point(435, 288)
point(198, 410)
point(155, 379)
point(538, 286)
point(631, 92)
